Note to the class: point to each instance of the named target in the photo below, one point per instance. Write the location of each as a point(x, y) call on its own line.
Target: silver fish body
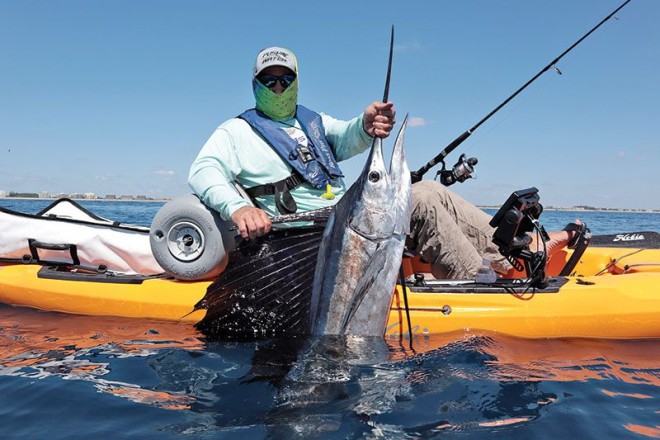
point(362, 247)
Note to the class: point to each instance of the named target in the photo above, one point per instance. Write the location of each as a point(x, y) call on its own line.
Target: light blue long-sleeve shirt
point(235, 152)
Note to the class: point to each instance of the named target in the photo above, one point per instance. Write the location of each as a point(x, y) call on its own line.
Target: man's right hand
point(251, 222)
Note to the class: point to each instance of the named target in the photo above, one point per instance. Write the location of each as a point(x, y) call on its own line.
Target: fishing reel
point(460, 172)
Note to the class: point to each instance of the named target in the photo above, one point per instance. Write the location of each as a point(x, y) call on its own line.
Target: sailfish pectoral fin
point(371, 273)
point(323, 257)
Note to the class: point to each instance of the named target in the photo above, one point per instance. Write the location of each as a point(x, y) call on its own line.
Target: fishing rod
point(464, 167)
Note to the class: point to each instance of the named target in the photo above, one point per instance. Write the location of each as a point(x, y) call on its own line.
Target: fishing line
point(505, 116)
point(404, 289)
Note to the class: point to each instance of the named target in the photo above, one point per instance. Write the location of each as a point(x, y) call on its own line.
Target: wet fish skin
point(362, 247)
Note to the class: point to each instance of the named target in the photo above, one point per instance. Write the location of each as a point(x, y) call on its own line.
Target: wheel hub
point(185, 241)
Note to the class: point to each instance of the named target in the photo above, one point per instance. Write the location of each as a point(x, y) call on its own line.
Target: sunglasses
point(270, 80)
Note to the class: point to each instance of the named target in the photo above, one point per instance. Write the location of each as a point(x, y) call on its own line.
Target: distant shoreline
point(164, 200)
point(85, 200)
point(574, 209)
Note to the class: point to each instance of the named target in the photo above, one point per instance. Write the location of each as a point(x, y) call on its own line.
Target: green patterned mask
point(278, 108)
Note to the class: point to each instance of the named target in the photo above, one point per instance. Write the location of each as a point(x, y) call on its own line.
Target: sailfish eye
point(374, 176)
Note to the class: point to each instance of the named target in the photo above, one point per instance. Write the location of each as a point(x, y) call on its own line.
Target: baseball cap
point(275, 56)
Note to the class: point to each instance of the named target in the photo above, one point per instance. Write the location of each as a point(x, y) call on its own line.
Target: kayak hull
point(156, 298)
point(615, 293)
point(588, 307)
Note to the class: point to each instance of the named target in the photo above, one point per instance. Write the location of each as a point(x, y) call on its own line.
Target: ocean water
point(141, 213)
point(67, 376)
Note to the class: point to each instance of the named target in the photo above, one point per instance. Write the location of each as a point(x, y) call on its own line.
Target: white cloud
point(620, 153)
point(416, 121)
point(164, 173)
point(104, 177)
point(407, 46)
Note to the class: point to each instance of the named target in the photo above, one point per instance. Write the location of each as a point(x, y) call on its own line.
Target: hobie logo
point(628, 237)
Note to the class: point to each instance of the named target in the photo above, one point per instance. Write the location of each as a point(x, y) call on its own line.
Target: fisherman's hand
point(251, 222)
point(379, 118)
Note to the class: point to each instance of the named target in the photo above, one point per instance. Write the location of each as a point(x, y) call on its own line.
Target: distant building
point(79, 196)
point(585, 207)
point(24, 195)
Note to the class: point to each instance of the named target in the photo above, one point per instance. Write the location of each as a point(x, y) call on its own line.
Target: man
point(264, 146)
point(286, 155)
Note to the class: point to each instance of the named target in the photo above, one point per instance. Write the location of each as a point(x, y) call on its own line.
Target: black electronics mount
point(513, 223)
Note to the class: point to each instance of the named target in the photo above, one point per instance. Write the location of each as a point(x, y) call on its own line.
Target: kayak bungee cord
point(617, 260)
point(627, 267)
point(464, 167)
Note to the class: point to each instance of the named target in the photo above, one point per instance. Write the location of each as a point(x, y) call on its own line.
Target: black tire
point(190, 241)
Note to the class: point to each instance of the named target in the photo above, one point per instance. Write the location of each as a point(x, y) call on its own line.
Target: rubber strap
point(281, 190)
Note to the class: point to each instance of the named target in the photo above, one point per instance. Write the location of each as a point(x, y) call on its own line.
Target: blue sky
point(119, 96)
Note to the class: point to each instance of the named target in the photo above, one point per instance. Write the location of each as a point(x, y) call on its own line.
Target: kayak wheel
point(190, 241)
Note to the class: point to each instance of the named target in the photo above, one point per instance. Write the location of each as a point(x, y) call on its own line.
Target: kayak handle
point(35, 245)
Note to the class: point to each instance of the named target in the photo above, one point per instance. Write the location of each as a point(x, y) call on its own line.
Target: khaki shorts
point(450, 233)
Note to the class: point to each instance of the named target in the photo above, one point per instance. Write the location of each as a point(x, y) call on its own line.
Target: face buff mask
point(278, 108)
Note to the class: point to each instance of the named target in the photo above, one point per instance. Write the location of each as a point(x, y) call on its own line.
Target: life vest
point(314, 163)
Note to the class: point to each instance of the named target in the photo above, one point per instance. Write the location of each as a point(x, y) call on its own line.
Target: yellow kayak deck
point(614, 293)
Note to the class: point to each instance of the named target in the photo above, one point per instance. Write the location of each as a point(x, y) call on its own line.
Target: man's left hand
point(379, 118)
